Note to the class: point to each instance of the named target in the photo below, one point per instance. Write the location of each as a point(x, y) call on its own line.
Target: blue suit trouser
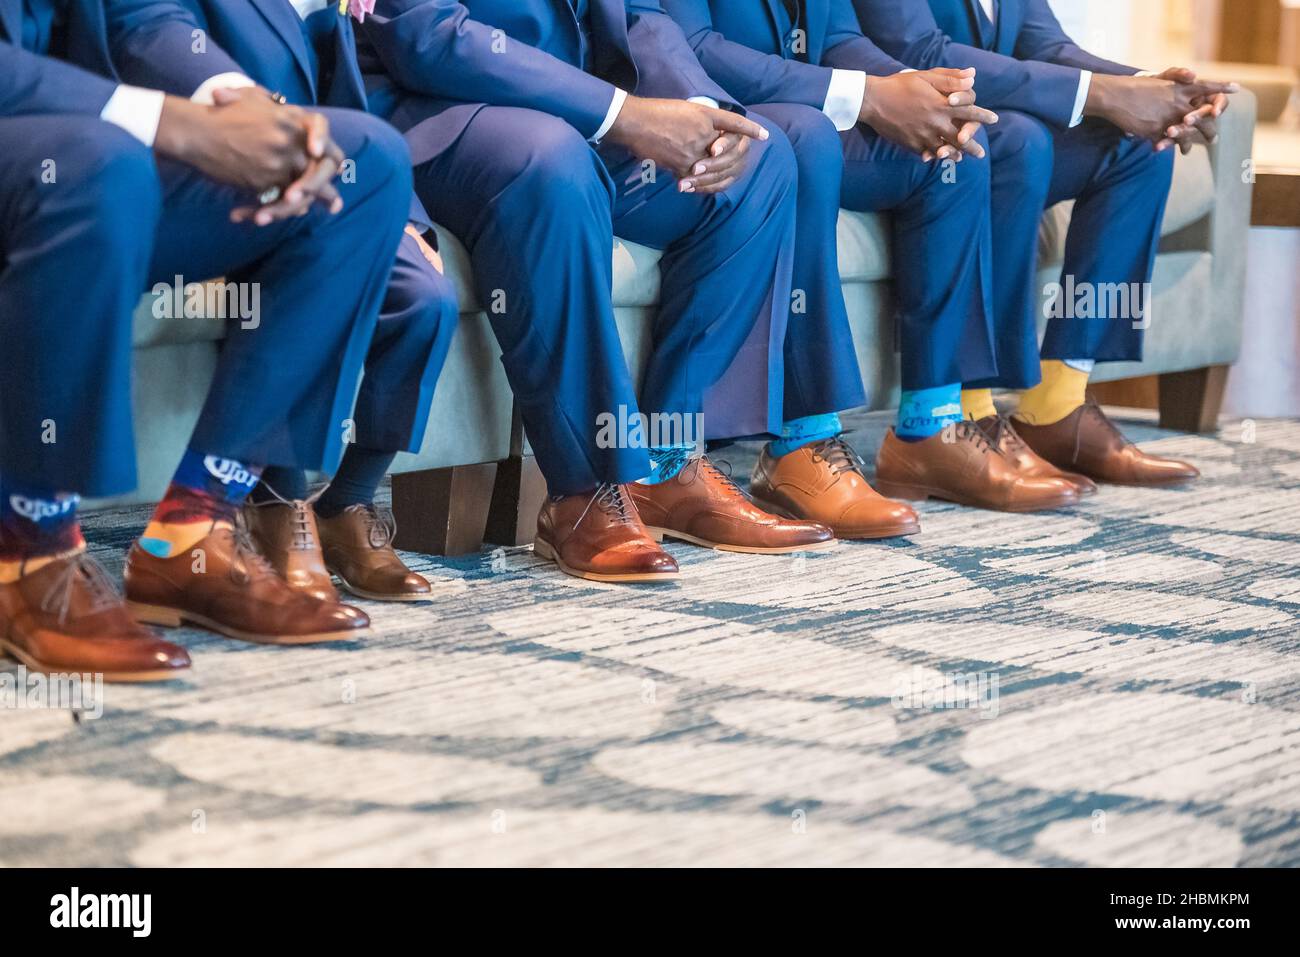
point(1120, 186)
point(941, 262)
point(538, 209)
point(89, 220)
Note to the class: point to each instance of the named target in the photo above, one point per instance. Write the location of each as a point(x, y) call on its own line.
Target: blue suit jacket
point(260, 38)
point(36, 84)
point(745, 47)
point(263, 36)
point(439, 58)
point(1026, 63)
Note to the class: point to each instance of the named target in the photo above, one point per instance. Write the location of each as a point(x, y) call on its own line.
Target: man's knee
point(816, 142)
point(550, 157)
point(378, 158)
point(428, 301)
point(1021, 149)
point(775, 166)
point(112, 172)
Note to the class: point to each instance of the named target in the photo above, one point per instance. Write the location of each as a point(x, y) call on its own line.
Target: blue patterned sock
point(924, 412)
point(666, 462)
point(803, 431)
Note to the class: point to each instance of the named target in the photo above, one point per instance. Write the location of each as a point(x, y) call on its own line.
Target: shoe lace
point(970, 431)
point(1092, 408)
point(381, 524)
point(84, 570)
point(613, 501)
point(1003, 430)
point(697, 461)
point(303, 532)
point(249, 564)
point(839, 455)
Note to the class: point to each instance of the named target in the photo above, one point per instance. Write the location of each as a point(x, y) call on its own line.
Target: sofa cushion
point(864, 247)
point(158, 322)
point(1191, 198)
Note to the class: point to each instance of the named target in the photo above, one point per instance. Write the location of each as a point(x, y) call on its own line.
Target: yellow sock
point(977, 403)
point(1062, 390)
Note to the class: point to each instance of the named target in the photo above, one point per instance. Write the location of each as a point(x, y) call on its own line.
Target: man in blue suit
point(115, 187)
point(860, 125)
point(539, 130)
point(1073, 126)
point(305, 50)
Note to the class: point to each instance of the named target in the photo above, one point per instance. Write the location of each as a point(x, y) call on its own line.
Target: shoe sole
point(921, 493)
point(375, 596)
point(852, 534)
point(165, 617)
point(110, 677)
point(544, 550)
point(659, 534)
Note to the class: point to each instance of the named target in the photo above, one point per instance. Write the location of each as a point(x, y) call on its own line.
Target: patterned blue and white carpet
point(1115, 685)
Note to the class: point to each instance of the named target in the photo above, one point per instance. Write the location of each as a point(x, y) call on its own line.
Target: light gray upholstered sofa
point(442, 495)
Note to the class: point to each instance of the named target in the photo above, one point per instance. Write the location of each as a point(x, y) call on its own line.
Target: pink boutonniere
point(358, 8)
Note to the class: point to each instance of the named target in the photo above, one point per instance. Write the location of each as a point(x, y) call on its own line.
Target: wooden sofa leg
point(443, 511)
point(1190, 401)
point(516, 499)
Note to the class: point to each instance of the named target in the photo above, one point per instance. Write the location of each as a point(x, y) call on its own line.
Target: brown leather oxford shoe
point(67, 617)
point(358, 548)
point(288, 536)
point(824, 482)
point(962, 465)
point(224, 584)
point(1086, 441)
point(599, 536)
point(703, 506)
point(1002, 432)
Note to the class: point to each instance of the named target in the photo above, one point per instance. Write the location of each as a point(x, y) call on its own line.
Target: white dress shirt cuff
point(136, 110)
point(222, 81)
point(844, 98)
point(1081, 98)
point(704, 101)
point(615, 108)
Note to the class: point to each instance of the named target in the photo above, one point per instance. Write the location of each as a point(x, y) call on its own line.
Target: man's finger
point(1211, 88)
point(318, 130)
point(968, 143)
point(224, 96)
point(974, 114)
point(953, 84)
point(966, 98)
point(725, 122)
point(719, 187)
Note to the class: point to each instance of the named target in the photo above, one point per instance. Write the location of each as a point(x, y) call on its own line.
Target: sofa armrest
point(1230, 220)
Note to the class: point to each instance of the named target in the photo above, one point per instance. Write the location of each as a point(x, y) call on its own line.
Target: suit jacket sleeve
point(747, 74)
point(908, 30)
point(666, 63)
point(848, 48)
point(159, 44)
point(1041, 38)
point(30, 83)
point(434, 47)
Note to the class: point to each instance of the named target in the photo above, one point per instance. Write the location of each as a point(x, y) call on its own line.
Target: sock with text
point(206, 490)
point(924, 412)
point(36, 527)
point(797, 433)
point(666, 462)
point(1063, 389)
